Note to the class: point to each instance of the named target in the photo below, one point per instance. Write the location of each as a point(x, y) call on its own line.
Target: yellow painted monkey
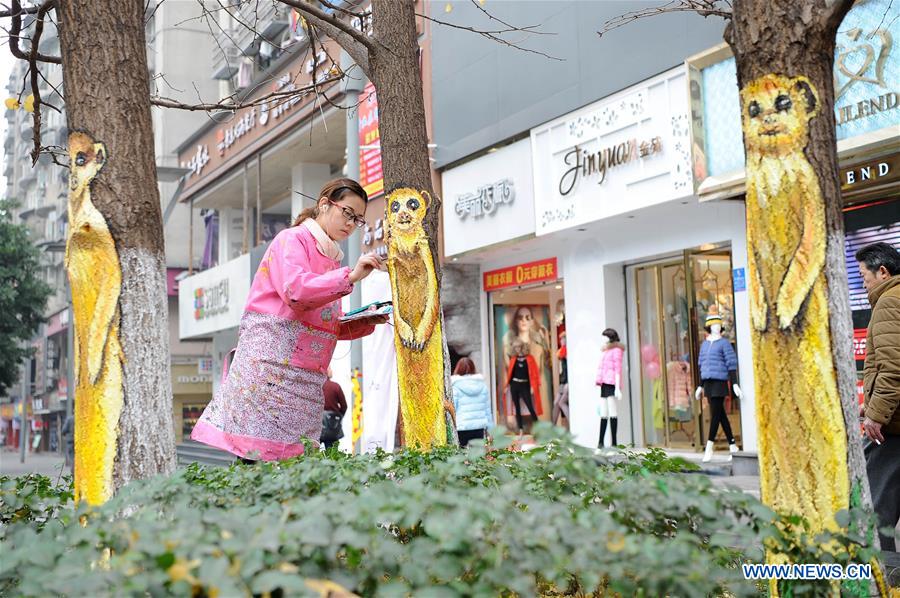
point(96, 281)
point(802, 441)
point(417, 319)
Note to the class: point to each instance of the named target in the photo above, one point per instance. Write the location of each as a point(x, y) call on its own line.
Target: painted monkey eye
point(783, 103)
point(753, 109)
point(395, 206)
point(413, 204)
point(80, 159)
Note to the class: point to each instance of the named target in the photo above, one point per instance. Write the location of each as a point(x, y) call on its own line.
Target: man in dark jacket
point(335, 408)
point(879, 266)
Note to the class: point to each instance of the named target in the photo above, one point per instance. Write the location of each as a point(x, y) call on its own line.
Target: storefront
point(191, 392)
point(867, 116)
point(617, 239)
point(489, 208)
point(210, 306)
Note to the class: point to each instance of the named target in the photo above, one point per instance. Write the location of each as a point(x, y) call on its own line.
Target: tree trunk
point(811, 460)
point(414, 260)
point(123, 400)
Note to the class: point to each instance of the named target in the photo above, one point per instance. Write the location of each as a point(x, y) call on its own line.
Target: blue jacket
point(472, 403)
point(717, 358)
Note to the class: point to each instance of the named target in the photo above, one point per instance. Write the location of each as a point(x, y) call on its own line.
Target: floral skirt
point(263, 409)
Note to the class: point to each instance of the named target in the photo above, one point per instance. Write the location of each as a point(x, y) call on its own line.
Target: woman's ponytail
point(310, 212)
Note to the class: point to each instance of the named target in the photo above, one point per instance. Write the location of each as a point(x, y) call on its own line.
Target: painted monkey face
point(776, 111)
point(86, 158)
point(406, 209)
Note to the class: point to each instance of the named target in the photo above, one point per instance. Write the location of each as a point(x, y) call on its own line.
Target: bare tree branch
point(346, 11)
point(35, 84)
point(704, 8)
point(16, 13)
point(495, 34)
point(355, 43)
point(504, 23)
point(12, 12)
point(230, 104)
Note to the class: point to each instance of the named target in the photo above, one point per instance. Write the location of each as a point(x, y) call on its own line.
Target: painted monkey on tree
point(810, 449)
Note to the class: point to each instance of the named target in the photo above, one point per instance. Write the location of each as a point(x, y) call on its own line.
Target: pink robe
point(272, 395)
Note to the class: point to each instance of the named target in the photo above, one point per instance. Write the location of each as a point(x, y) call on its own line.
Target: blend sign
point(211, 301)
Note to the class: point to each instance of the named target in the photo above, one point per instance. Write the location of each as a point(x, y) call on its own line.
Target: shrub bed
point(555, 520)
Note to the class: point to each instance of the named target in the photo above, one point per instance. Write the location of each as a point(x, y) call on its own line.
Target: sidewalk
point(48, 464)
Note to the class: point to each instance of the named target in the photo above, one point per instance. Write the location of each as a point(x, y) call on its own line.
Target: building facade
point(625, 210)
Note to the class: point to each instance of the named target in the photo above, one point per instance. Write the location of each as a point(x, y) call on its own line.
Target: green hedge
point(556, 520)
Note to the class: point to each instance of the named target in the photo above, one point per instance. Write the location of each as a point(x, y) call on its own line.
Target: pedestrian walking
point(879, 266)
point(68, 433)
point(471, 402)
point(333, 417)
point(274, 392)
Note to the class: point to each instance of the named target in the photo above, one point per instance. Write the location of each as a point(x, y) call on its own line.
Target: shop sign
point(866, 88)
point(485, 200)
point(859, 343)
point(489, 200)
point(373, 234)
point(198, 160)
point(371, 175)
point(214, 299)
point(211, 301)
point(58, 322)
point(186, 380)
point(515, 276)
point(213, 148)
point(739, 279)
point(586, 164)
point(205, 365)
point(620, 154)
point(869, 174)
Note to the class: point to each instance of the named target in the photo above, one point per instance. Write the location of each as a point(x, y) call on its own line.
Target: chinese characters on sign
point(530, 273)
point(859, 343)
point(485, 199)
point(583, 163)
point(198, 160)
point(371, 176)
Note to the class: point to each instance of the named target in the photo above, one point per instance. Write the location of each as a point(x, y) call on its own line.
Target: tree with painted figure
point(390, 59)
point(123, 191)
point(811, 459)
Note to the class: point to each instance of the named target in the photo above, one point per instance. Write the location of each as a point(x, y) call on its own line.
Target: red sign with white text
point(514, 276)
point(371, 176)
point(859, 344)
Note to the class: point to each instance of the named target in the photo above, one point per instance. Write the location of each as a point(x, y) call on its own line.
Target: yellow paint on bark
point(96, 281)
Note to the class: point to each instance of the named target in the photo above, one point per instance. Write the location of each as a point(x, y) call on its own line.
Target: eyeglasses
point(350, 215)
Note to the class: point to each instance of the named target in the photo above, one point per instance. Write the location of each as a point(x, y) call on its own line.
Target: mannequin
point(718, 366)
point(609, 379)
point(523, 380)
point(561, 404)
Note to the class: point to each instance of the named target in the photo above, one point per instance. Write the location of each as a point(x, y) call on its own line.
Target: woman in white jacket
point(471, 401)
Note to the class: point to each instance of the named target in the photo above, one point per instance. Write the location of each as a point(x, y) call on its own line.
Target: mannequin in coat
point(609, 379)
point(718, 367)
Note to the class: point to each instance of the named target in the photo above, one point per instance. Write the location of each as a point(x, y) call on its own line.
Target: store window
point(190, 413)
point(866, 223)
point(529, 322)
point(674, 297)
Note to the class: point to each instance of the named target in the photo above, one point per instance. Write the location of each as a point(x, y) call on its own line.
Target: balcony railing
point(266, 21)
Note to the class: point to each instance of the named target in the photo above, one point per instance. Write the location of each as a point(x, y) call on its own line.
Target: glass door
point(673, 300)
point(713, 293)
